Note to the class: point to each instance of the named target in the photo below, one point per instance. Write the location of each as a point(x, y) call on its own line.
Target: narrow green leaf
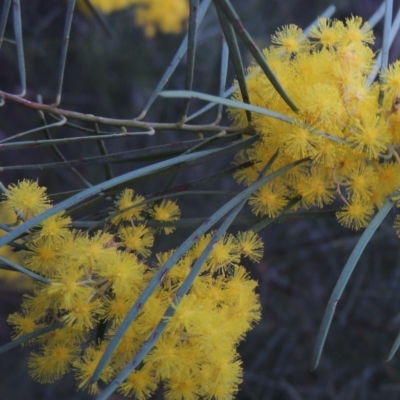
point(43, 143)
point(174, 63)
point(144, 154)
point(378, 61)
point(235, 56)
point(394, 348)
point(268, 221)
point(343, 279)
point(252, 108)
point(223, 75)
point(23, 270)
point(387, 24)
point(254, 50)
point(30, 336)
point(3, 19)
point(103, 151)
point(100, 18)
point(94, 190)
point(377, 15)
point(64, 49)
point(207, 107)
point(191, 53)
point(20, 45)
point(56, 150)
point(182, 167)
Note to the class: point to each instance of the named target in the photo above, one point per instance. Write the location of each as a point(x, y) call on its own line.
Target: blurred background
point(114, 77)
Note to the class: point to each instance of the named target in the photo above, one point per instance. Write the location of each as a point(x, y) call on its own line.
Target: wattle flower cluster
point(346, 127)
point(96, 278)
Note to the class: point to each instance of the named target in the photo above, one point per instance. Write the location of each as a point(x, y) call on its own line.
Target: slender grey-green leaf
point(394, 348)
point(103, 151)
point(99, 18)
point(223, 75)
point(168, 185)
point(191, 52)
point(30, 336)
point(268, 221)
point(56, 150)
point(219, 153)
point(254, 50)
point(20, 44)
point(377, 15)
point(23, 270)
point(148, 153)
point(235, 56)
point(386, 33)
point(3, 19)
point(207, 107)
point(180, 251)
point(174, 63)
point(343, 279)
point(250, 107)
point(94, 190)
point(43, 143)
point(378, 61)
point(184, 288)
point(64, 49)
point(226, 102)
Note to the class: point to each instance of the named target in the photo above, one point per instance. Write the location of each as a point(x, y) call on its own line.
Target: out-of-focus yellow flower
point(166, 16)
point(105, 6)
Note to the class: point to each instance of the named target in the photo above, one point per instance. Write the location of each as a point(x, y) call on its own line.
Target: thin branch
point(128, 123)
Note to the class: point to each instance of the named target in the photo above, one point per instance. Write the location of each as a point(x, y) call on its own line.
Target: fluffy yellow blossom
point(345, 132)
point(128, 207)
point(26, 198)
point(390, 78)
point(22, 324)
point(327, 33)
point(166, 211)
point(52, 362)
point(290, 39)
point(357, 31)
point(141, 384)
point(269, 200)
point(356, 214)
point(250, 245)
point(55, 227)
point(138, 239)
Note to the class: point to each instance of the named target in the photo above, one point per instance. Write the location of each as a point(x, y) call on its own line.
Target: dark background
point(303, 259)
